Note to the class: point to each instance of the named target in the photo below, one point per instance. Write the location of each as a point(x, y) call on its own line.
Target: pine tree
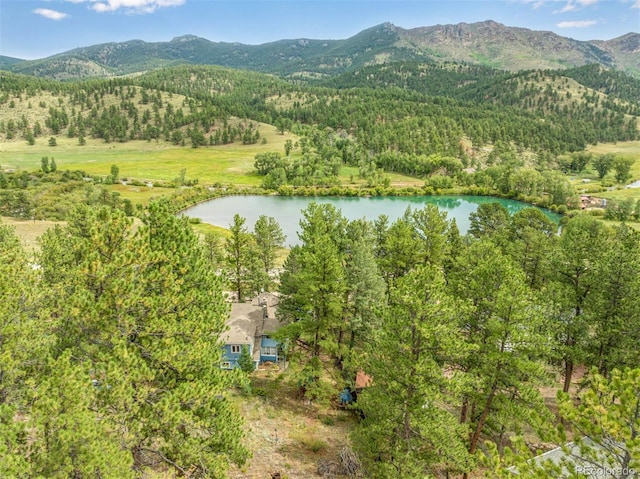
point(508, 332)
point(68, 439)
point(143, 312)
point(574, 280)
point(313, 288)
point(612, 309)
point(312, 283)
point(239, 257)
point(268, 237)
point(245, 361)
point(604, 421)
point(24, 345)
point(408, 428)
point(365, 288)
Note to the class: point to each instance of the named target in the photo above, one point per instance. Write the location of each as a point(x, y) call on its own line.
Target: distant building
point(250, 324)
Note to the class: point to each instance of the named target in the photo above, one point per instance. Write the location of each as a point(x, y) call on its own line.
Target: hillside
point(485, 43)
point(493, 44)
point(8, 61)
point(542, 111)
point(414, 344)
point(626, 51)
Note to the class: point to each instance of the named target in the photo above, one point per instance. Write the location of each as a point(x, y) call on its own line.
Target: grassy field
point(230, 164)
point(629, 149)
point(148, 160)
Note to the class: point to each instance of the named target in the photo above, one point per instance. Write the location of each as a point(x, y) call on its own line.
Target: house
point(251, 324)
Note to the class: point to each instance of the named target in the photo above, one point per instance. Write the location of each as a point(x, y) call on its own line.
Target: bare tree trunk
point(483, 417)
point(568, 375)
point(464, 410)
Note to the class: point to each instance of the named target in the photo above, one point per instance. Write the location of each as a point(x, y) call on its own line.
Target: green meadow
point(148, 160)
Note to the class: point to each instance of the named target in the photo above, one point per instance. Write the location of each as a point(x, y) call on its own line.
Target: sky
point(31, 29)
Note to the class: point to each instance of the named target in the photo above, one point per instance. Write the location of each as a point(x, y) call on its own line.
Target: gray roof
point(242, 322)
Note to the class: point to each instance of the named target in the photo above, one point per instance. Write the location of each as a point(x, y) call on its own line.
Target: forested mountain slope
point(485, 43)
point(437, 104)
point(8, 61)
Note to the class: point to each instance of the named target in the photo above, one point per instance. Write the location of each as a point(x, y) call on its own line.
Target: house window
point(235, 349)
point(226, 365)
point(269, 351)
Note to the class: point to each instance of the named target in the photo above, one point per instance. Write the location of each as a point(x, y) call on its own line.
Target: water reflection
point(287, 210)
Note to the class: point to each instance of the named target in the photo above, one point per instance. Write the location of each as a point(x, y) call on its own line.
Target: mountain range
point(485, 43)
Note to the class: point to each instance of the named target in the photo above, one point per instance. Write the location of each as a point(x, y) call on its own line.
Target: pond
point(287, 209)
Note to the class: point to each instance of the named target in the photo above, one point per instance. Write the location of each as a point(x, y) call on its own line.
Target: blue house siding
point(231, 353)
point(268, 350)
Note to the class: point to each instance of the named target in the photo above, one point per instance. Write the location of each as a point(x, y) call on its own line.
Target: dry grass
point(290, 437)
point(286, 435)
point(29, 230)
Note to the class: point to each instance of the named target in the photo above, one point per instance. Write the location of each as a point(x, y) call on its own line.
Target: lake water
point(287, 209)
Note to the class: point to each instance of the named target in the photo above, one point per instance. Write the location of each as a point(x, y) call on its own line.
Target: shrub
point(313, 444)
point(327, 421)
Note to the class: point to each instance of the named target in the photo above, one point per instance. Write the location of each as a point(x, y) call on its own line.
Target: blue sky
point(38, 28)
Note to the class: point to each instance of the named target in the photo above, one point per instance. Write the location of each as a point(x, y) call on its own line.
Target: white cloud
point(569, 7)
point(573, 5)
point(129, 6)
point(576, 24)
point(535, 3)
point(50, 14)
point(636, 4)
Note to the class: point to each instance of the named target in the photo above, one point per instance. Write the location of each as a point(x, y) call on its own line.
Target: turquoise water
point(287, 209)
